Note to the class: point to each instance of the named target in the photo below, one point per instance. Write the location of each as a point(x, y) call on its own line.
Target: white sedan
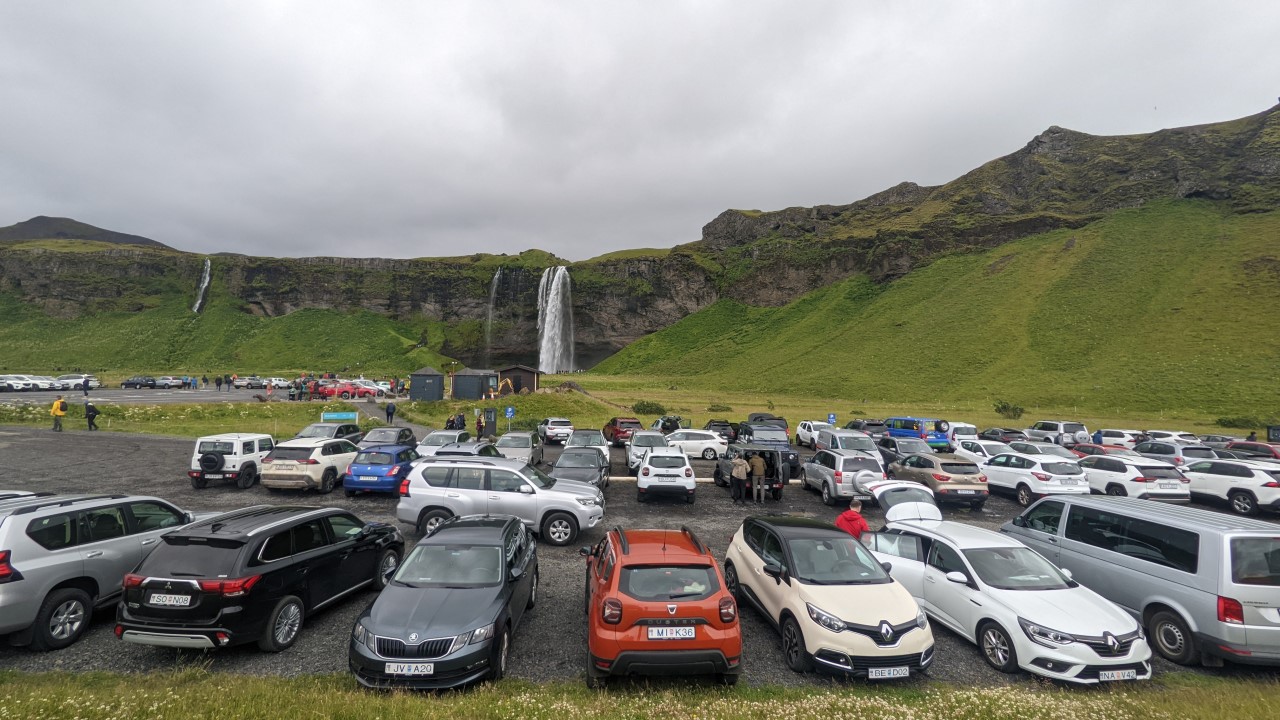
point(1019, 609)
point(699, 443)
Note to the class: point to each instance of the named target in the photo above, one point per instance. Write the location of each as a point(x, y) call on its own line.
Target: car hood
point(432, 612)
point(863, 604)
point(574, 487)
point(578, 475)
point(1076, 611)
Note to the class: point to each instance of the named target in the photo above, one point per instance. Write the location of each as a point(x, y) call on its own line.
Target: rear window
point(1255, 561)
point(438, 439)
point(667, 461)
point(632, 424)
point(560, 423)
point(858, 464)
point(221, 447)
point(669, 582)
point(291, 453)
point(650, 441)
point(907, 446)
point(1161, 472)
point(382, 435)
point(374, 458)
point(1062, 468)
point(183, 557)
point(1198, 452)
point(317, 431)
point(515, 441)
point(960, 468)
point(1072, 427)
point(769, 434)
point(855, 442)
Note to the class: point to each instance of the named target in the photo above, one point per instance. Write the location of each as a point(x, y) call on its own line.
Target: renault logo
point(671, 609)
point(886, 630)
point(1112, 643)
point(413, 637)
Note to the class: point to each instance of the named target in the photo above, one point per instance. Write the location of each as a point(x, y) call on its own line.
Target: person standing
point(757, 477)
point(1097, 437)
point(738, 469)
point(84, 385)
point(479, 425)
point(217, 381)
point(91, 414)
point(391, 413)
point(1253, 436)
point(204, 379)
point(851, 520)
point(226, 382)
point(58, 410)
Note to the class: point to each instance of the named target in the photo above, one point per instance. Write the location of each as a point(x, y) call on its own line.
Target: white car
point(807, 432)
point(1124, 438)
point(308, 463)
point(438, 439)
point(1030, 477)
point(1019, 609)
point(981, 451)
point(699, 443)
point(278, 383)
point(1174, 436)
point(229, 456)
point(77, 381)
point(15, 383)
point(591, 439)
point(54, 383)
point(1135, 476)
point(963, 431)
point(1039, 447)
point(35, 382)
point(665, 471)
point(890, 494)
point(846, 440)
point(1246, 485)
point(641, 442)
point(555, 429)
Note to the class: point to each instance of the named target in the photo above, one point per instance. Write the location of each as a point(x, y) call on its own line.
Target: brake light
point(230, 588)
point(269, 458)
point(1179, 461)
point(645, 471)
point(688, 472)
point(7, 571)
point(133, 581)
point(404, 488)
point(348, 470)
point(309, 461)
point(1272, 484)
point(1043, 477)
point(1230, 611)
point(611, 611)
point(839, 477)
point(982, 478)
point(1141, 479)
point(941, 478)
point(395, 470)
point(728, 610)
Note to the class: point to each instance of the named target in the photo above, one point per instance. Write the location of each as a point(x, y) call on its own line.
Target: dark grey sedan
point(447, 615)
point(584, 464)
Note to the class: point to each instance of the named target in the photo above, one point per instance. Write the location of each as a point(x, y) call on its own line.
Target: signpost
point(510, 412)
point(831, 418)
point(339, 416)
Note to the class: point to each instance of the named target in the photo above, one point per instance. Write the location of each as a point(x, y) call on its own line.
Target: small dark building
point(426, 384)
point(521, 376)
point(472, 384)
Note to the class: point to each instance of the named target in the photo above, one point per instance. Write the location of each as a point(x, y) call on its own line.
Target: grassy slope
point(1148, 309)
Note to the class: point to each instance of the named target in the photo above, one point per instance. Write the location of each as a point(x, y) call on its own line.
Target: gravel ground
point(550, 644)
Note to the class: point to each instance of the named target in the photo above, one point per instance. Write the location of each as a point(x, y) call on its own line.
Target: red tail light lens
point(644, 471)
point(611, 611)
point(7, 571)
point(1230, 611)
point(728, 610)
point(941, 478)
point(395, 470)
point(1272, 484)
point(230, 588)
point(404, 488)
point(347, 471)
point(982, 478)
point(1141, 479)
point(309, 461)
point(269, 458)
point(133, 581)
point(688, 472)
point(1043, 477)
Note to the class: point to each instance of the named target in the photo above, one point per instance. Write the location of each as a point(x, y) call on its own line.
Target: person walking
point(91, 414)
point(204, 379)
point(1253, 436)
point(851, 520)
point(226, 382)
point(58, 411)
point(479, 425)
point(391, 413)
point(217, 381)
point(1097, 437)
point(84, 385)
point(757, 476)
point(738, 469)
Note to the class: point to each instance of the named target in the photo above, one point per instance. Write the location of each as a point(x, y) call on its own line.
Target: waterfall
point(555, 321)
point(488, 320)
point(204, 287)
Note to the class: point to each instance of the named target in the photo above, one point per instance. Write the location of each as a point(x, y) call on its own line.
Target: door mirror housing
point(1019, 522)
point(584, 551)
point(525, 490)
point(777, 572)
point(1066, 573)
point(957, 578)
point(516, 573)
point(888, 567)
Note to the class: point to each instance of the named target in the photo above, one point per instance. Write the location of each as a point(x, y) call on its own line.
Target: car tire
point(641, 497)
point(388, 561)
point(501, 652)
point(793, 649)
point(351, 493)
point(431, 519)
point(1169, 635)
point(709, 454)
point(248, 476)
point(827, 497)
point(1243, 503)
point(63, 617)
point(533, 591)
point(689, 498)
point(997, 648)
point(732, 583)
point(777, 494)
point(211, 462)
point(199, 483)
point(1116, 490)
point(346, 395)
point(716, 478)
point(559, 529)
point(283, 626)
point(327, 481)
point(1024, 495)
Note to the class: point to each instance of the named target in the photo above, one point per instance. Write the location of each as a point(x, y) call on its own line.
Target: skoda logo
point(671, 609)
point(1112, 643)
point(413, 637)
point(886, 630)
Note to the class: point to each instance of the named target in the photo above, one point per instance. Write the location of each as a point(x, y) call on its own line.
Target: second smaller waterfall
point(204, 287)
point(488, 320)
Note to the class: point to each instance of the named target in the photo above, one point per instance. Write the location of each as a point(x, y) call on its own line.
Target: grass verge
point(278, 419)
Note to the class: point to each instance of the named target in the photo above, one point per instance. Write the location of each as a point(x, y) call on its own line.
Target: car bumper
point(374, 483)
point(668, 662)
point(220, 475)
point(1244, 644)
point(863, 666)
point(288, 481)
point(469, 665)
point(949, 495)
point(142, 633)
point(657, 488)
point(17, 609)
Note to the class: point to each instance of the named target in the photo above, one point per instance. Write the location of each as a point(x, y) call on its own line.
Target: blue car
point(933, 431)
point(380, 468)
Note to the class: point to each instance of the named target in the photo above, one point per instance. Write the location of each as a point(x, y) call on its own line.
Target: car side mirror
point(584, 551)
point(888, 567)
point(525, 490)
point(957, 578)
point(188, 518)
point(516, 573)
point(774, 571)
point(1019, 522)
point(1066, 573)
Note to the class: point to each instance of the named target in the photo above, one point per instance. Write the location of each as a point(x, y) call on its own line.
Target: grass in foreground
point(279, 419)
point(198, 693)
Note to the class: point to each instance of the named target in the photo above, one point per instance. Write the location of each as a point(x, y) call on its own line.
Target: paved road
point(550, 645)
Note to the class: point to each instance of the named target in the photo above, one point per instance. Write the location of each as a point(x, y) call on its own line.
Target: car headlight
point(1043, 635)
point(824, 618)
point(589, 502)
point(922, 620)
point(482, 634)
point(363, 636)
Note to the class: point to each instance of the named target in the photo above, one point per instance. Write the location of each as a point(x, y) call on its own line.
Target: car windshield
point(537, 477)
point(907, 446)
point(382, 435)
point(374, 458)
point(316, 431)
point(960, 468)
point(769, 434)
point(290, 453)
point(1198, 452)
point(654, 583)
point(438, 439)
point(1061, 468)
point(1255, 561)
point(222, 447)
point(591, 437)
point(649, 441)
point(899, 495)
point(578, 460)
point(667, 461)
point(855, 442)
point(1015, 568)
point(515, 441)
point(451, 566)
point(835, 560)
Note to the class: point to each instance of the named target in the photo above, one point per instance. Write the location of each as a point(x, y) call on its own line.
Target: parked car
point(555, 430)
point(278, 383)
point(1247, 486)
point(1059, 432)
point(894, 449)
point(963, 431)
point(308, 464)
point(935, 432)
point(980, 451)
point(1137, 477)
point(1175, 454)
point(252, 382)
point(841, 475)
point(641, 442)
point(387, 436)
point(1125, 438)
point(774, 479)
point(589, 439)
point(665, 471)
point(768, 435)
point(14, 383)
point(378, 468)
point(807, 432)
point(1258, 448)
point(139, 381)
point(1003, 435)
point(168, 382)
point(723, 428)
point(439, 438)
point(78, 381)
point(441, 488)
point(846, 440)
point(229, 456)
point(62, 557)
point(1020, 610)
point(1032, 476)
point(1217, 442)
point(832, 602)
point(347, 390)
point(656, 602)
point(873, 428)
point(252, 575)
point(583, 464)
point(331, 430)
point(448, 613)
point(1202, 583)
point(1032, 447)
point(471, 448)
point(1174, 436)
point(953, 479)
point(764, 418)
point(38, 383)
point(521, 445)
point(705, 444)
point(618, 430)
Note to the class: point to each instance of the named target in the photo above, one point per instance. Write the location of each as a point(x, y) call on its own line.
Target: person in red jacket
point(851, 520)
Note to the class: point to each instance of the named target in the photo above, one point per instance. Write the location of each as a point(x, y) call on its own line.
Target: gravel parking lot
point(550, 645)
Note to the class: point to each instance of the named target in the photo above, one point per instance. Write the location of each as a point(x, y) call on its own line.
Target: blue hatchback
point(380, 468)
point(933, 431)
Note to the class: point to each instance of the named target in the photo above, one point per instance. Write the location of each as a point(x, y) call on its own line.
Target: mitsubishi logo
point(1112, 643)
point(168, 586)
point(413, 637)
point(671, 609)
point(886, 630)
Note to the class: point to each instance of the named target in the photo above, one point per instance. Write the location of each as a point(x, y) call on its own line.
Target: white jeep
point(229, 456)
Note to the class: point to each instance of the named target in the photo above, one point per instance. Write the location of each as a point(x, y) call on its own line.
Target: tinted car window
point(1058, 468)
point(277, 546)
point(503, 481)
point(669, 582)
point(1255, 561)
point(291, 453)
point(176, 556)
point(104, 523)
point(308, 536)
point(1045, 517)
point(666, 461)
point(1198, 452)
point(436, 476)
point(1136, 538)
point(344, 527)
point(857, 464)
point(374, 458)
point(946, 559)
point(53, 532)
point(754, 535)
point(960, 468)
point(148, 516)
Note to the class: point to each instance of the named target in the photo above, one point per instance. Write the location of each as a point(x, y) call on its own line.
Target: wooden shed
point(472, 384)
point(521, 376)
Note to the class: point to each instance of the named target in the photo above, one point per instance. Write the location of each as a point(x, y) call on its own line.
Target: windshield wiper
point(677, 596)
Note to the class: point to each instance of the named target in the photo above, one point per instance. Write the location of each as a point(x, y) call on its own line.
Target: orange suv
point(657, 604)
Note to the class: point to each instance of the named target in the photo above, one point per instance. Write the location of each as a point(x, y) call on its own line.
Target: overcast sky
point(408, 129)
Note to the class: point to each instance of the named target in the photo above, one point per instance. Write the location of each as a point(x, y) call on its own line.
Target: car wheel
point(793, 649)
point(248, 476)
point(709, 454)
point(731, 582)
point(827, 497)
point(716, 478)
point(388, 561)
point(559, 529)
point(431, 520)
point(1025, 497)
point(63, 617)
point(327, 481)
point(283, 627)
point(533, 591)
point(1172, 638)
point(997, 648)
point(689, 498)
point(498, 661)
point(346, 395)
point(1243, 503)
point(777, 494)
point(199, 483)
point(351, 493)
point(641, 497)
point(1116, 491)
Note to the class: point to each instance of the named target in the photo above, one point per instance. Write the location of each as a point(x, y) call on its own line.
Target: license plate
point(170, 600)
point(368, 478)
point(1168, 486)
point(964, 492)
point(888, 673)
point(671, 633)
point(213, 476)
point(1111, 675)
point(410, 668)
point(1067, 481)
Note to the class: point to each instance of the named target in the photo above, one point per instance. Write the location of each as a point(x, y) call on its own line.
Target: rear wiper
point(677, 596)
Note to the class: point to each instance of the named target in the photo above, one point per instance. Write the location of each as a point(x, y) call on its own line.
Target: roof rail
point(285, 521)
point(228, 515)
point(697, 544)
point(622, 538)
point(456, 458)
point(63, 503)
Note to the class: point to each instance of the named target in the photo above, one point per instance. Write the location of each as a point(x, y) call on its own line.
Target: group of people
point(59, 411)
point(747, 468)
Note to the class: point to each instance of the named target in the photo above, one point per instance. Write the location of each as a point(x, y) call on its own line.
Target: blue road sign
point(510, 412)
point(831, 418)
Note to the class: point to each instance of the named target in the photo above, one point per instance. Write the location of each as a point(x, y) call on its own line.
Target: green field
point(278, 419)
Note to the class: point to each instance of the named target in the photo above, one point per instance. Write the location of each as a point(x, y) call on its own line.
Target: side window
point(946, 559)
point(103, 523)
point(772, 552)
point(277, 547)
point(901, 545)
point(503, 481)
point(467, 479)
point(246, 448)
point(755, 537)
point(53, 532)
point(1044, 517)
point(972, 447)
point(1091, 463)
point(1204, 467)
point(265, 445)
point(344, 527)
point(1001, 460)
point(308, 536)
point(1236, 470)
point(346, 446)
point(148, 516)
point(436, 476)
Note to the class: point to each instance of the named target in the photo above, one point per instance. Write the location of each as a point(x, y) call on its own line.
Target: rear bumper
point(668, 662)
point(289, 481)
point(1237, 653)
point(219, 475)
point(139, 637)
point(947, 495)
point(654, 488)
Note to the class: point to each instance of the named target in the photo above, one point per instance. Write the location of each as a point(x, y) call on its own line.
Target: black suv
point(723, 428)
point(769, 435)
point(252, 574)
point(139, 381)
point(874, 428)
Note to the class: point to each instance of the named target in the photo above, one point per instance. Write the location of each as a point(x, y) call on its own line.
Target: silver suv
point(63, 556)
point(1059, 432)
point(439, 488)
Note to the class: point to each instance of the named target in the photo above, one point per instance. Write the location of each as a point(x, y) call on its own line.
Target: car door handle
point(93, 554)
point(452, 495)
point(149, 541)
point(1053, 540)
point(494, 497)
point(303, 570)
point(929, 578)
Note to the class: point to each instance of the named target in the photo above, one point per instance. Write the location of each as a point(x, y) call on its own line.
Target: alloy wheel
point(66, 620)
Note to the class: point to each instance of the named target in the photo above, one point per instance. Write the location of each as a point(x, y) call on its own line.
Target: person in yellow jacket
point(58, 410)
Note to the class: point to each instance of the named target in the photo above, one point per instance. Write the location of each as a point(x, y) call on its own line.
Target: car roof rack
point(622, 539)
point(702, 549)
point(64, 502)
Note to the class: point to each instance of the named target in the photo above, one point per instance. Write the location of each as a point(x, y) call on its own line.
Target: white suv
point(308, 463)
point(641, 442)
point(1034, 476)
point(555, 430)
point(1246, 485)
point(229, 456)
point(665, 471)
point(1136, 477)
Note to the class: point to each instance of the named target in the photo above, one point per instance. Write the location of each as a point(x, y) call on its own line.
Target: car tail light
point(7, 571)
point(395, 470)
point(404, 488)
point(941, 478)
point(1230, 611)
point(193, 473)
point(119, 631)
point(269, 459)
point(644, 471)
point(347, 471)
point(1043, 477)
point(1272, 484)
point(611, 611)
point(728, 610)
point(982, 478)
point(688, 472)
point(133, 581)
point(1179, 461)
point(1141, 479)
point(839, 477)
point(230, 588)
point(309, 461)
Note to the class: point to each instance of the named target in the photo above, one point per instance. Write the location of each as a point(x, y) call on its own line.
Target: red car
point(1256, 448)
point(346, 391)
point(618, 430)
